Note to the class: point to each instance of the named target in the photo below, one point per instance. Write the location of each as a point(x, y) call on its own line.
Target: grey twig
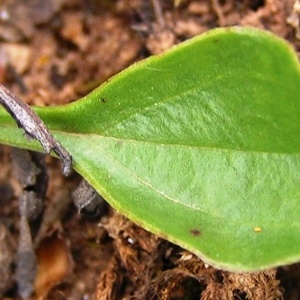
point(26, 259)
point(34, 127)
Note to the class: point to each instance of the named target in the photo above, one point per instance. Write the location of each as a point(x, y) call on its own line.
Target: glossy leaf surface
point(199, 145)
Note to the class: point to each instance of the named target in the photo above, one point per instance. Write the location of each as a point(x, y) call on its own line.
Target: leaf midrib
point(163, 144)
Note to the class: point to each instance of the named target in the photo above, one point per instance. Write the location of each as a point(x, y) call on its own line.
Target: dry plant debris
point(54, 264)
point(7, 252)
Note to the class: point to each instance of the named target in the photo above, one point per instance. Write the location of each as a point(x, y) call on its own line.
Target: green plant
point(199, 145)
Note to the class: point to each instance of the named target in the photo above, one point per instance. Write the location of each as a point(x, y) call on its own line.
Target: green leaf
point(199, 145)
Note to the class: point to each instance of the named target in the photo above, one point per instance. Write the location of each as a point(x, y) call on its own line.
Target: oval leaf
point(199, 145)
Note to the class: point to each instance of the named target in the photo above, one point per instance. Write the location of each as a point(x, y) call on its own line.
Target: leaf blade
point(199, 145)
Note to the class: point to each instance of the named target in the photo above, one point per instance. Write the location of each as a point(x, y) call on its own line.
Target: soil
point(53, 52)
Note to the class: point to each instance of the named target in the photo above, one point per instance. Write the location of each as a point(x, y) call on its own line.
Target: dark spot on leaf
point(195, 232)
point(103, 100)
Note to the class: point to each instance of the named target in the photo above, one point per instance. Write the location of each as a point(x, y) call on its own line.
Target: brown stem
point(34, 127)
